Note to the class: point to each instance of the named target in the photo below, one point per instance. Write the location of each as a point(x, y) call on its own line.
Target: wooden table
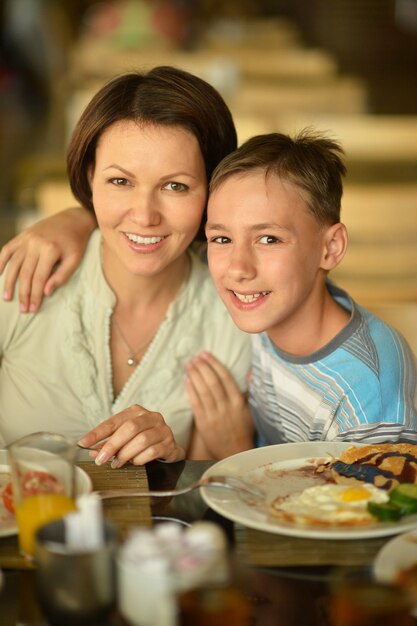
point(124, 513)
point(286, 579)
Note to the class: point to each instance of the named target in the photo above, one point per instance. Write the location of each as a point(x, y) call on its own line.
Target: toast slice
point(385, 465)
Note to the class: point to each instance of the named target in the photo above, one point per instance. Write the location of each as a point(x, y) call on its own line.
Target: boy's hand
point(221, 410)
point(44, 256)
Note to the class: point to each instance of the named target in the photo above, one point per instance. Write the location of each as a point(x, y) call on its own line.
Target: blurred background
point(349, 67)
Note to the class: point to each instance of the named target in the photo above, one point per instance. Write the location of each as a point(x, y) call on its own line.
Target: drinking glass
point(358, 600)
point(75, 586)
point(43, 479)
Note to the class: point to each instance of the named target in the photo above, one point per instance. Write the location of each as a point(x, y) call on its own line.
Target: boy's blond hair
point(310, 160)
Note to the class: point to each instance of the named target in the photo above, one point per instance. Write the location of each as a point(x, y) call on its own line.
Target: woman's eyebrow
point(118, 167)
point(169, 176)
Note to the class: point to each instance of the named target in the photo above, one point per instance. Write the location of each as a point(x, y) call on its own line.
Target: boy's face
point(265, 251)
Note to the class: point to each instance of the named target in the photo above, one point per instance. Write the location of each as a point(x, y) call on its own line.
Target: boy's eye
point(268, 239)
point(119, 182)
point(220, 239)
point(173, 186)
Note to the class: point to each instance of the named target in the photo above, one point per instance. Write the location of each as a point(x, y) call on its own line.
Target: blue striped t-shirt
point(359, 387)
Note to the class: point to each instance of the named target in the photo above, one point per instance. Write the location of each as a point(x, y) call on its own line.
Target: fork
point(245, 489)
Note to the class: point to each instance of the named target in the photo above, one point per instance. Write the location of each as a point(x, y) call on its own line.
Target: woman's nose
point(144, 210)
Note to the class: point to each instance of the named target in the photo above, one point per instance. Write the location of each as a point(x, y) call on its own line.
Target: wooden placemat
point(124, 513)
point(260, 548)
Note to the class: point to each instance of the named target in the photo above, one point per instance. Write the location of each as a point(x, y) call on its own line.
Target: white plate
point(8, 526)
point(398, 554)
point(395, 556)
point(254, 465)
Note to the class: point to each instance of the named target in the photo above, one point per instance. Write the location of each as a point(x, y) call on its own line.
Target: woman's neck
point(135, 291)
point(142, 305)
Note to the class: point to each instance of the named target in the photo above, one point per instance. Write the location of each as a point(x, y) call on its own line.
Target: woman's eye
point(176, 186)
point(268, 239)
point(119, 182)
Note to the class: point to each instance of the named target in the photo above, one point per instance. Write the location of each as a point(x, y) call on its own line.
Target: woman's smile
point(154, 199)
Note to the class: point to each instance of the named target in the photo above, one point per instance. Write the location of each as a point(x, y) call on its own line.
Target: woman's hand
point(134, 435)
point(221, 412)
point(45, 255)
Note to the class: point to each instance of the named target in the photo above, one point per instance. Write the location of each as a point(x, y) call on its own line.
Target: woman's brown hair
point(164, 95)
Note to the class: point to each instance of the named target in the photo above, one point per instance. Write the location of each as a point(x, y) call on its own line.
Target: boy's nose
point(242, 266)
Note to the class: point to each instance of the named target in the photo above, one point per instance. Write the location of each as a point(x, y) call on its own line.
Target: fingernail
point(83, 442)
point(23, 308)
point(101, 458)
point(6, 295)
point(33, 308)
point(115, 463)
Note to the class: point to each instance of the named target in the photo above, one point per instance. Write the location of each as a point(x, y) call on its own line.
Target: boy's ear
point(335, 241)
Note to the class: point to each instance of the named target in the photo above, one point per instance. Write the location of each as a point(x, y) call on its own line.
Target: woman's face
point(149, 190)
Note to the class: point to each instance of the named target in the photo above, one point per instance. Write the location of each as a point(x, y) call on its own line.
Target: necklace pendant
point(131, 361)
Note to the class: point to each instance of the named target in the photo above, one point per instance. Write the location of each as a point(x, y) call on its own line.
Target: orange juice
point(36, 510)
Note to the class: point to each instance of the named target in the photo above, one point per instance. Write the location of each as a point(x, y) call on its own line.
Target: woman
point(117, 337)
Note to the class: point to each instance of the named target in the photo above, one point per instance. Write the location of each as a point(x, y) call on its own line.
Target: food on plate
point(329, 505)
point(7, 496)
point(405, 498)
point(384, 465)
point(33, 482)
point(385, 512)
point(402, 501)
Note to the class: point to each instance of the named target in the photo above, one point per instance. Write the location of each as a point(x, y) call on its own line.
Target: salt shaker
point(209, 595)
point(145, 587)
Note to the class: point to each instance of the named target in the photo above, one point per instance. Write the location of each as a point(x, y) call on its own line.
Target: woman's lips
point(140, 243)
point(146, 241)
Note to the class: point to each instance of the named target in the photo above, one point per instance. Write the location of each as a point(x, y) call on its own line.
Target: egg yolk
point(354, 494)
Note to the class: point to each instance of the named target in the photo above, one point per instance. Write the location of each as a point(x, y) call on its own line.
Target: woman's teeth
point(250, 297)
point(143, 240)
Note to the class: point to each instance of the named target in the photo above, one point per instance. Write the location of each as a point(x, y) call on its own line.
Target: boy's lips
point(249, 298)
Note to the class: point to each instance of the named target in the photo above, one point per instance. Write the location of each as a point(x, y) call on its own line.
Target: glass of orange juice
point(43, 478)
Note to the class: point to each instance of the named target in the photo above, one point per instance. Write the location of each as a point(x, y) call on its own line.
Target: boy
point(323, 367)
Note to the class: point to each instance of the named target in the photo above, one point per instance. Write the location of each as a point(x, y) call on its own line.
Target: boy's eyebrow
point(263, 226)
point(215, 226)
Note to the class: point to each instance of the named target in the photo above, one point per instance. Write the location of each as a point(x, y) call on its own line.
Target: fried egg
point(329, 505)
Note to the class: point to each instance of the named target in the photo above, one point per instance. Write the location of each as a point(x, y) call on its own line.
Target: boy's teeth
point(250, 297)
point(143, 240)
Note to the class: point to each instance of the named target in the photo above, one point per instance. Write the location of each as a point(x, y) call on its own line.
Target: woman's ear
point(335, 240)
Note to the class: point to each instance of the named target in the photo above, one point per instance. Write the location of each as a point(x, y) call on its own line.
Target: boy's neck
point(326, 319)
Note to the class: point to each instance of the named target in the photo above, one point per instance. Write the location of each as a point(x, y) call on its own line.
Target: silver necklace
point(132, 360)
